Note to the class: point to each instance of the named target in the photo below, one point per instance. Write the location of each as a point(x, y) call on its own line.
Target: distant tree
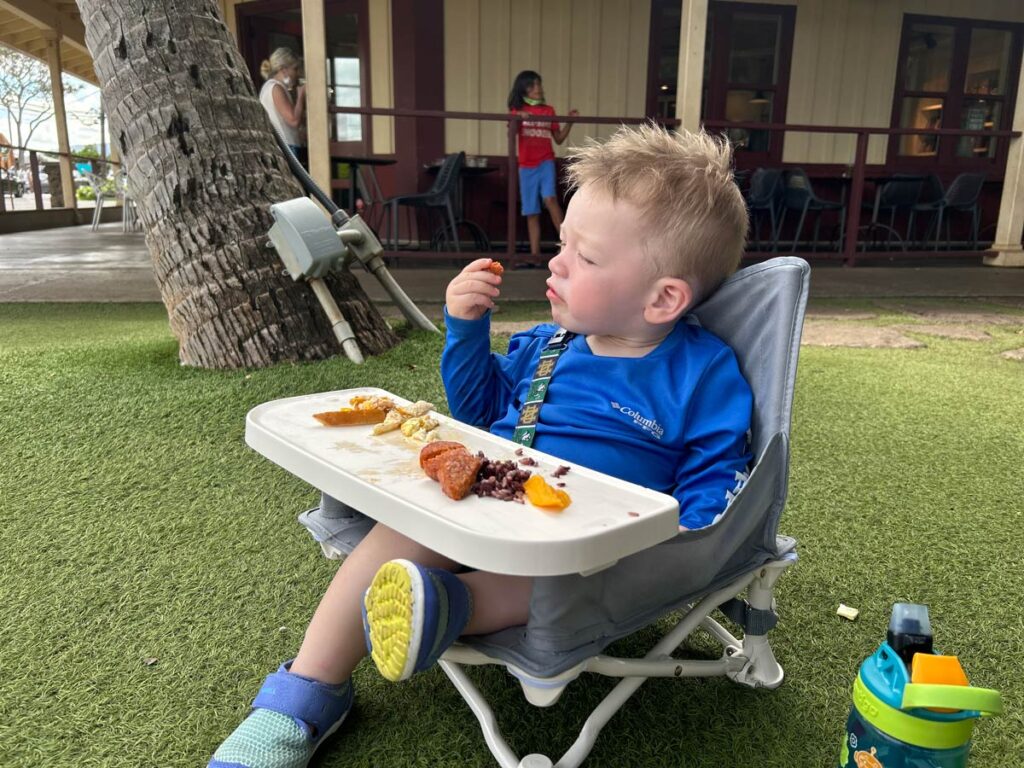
point(26, 92)
point(203, 168)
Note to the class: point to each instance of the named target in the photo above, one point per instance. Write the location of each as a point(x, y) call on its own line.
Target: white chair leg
point(761, 669)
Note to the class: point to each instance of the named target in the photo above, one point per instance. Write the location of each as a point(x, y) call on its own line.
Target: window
point(955, 73)
point(746, 69)
point(746, 72)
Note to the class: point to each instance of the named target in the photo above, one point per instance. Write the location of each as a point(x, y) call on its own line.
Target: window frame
point(720, 20)
point(954, 97)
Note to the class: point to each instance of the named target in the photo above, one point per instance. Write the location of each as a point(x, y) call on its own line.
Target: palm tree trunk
point(204, 168)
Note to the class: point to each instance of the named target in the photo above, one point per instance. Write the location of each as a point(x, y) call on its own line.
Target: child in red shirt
point(536, 155)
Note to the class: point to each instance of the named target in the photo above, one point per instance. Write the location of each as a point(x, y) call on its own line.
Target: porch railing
point(847, 254)
point(34, 171)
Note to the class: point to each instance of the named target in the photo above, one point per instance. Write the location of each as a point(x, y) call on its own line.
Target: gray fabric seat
point(759, 313)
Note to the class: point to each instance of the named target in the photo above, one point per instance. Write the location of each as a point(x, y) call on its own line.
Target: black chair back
point(765, 187)
point(965, 190)
point(900, 193)
point(798, 188)
point(447, 176)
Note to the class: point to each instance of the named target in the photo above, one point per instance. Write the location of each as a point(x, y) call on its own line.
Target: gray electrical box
point(304, 239)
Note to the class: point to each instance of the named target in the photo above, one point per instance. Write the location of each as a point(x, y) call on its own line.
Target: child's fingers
point(482, 286)
point(477, 266)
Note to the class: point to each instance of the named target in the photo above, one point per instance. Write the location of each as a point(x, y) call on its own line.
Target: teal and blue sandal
point(292, 716)
point(411, 615)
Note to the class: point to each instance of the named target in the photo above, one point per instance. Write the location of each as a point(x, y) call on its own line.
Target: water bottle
point(912, 708)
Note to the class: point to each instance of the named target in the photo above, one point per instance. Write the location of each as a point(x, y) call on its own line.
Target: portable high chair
point(759, 312)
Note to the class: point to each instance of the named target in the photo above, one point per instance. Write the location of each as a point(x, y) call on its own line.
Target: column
point(314, 45)
point(67, 181)
point(692, 31)
point(1006, 251)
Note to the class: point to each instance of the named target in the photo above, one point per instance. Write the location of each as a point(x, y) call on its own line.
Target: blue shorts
point(534, 184)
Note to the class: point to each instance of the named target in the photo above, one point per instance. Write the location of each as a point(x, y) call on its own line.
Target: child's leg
point(413, 613)
point(555, 210)
point(304, 702)
point(533, 227)
point(334, 641)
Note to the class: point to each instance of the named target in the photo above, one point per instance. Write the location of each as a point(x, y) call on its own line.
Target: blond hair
point(279, 59)
point(682, 183)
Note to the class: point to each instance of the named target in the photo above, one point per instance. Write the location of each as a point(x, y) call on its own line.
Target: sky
point(84, 103)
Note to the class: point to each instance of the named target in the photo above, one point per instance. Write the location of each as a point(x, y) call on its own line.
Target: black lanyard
point(530, 412)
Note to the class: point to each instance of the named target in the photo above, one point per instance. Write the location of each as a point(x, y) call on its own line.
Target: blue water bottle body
point(865, 746)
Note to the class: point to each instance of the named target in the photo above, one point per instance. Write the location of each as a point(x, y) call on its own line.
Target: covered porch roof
point(27, 26)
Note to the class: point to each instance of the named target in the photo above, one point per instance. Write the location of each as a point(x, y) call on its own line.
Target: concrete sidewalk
point(75, 264)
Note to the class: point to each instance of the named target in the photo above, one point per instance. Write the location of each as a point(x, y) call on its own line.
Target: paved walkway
point(76, 264)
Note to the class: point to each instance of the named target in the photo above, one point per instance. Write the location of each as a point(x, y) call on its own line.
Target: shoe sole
point(394, 614)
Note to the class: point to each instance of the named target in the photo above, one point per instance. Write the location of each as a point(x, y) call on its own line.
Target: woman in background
point(284, 99)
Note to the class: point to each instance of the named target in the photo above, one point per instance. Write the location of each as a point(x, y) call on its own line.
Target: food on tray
point(382, 411)
point(496, 268)
point(502, 480)
point(362, 409)
point(543, 495)
point(419, 408)
point(430, 455)
point(347, 417)
point(392, 421)
point(457, 473)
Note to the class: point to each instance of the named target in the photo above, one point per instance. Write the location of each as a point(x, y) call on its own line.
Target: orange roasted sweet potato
point(543, 495)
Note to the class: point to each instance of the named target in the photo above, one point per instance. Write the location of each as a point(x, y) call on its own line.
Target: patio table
point(380, 476)
point(355, 162)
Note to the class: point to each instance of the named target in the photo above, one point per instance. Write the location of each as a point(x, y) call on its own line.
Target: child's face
point(601, 280)
point(536, 90)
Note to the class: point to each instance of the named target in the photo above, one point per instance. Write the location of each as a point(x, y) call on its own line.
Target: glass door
point(746, 73)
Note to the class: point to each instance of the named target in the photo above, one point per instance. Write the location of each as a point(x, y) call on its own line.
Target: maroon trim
point(946, 163)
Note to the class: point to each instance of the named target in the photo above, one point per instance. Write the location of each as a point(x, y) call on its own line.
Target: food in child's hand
point(496, 268)
point(543, 495)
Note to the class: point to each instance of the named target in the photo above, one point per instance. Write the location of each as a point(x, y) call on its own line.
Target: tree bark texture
point(204, 169)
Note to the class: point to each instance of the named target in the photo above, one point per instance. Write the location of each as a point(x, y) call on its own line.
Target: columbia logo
point(645, 423)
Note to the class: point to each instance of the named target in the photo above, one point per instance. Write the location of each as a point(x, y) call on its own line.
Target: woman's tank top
point(291, 135)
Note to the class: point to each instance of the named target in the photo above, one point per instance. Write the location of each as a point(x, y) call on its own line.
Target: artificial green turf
point(137, 526)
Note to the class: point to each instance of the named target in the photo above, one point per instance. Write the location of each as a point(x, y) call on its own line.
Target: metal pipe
point(342, 330)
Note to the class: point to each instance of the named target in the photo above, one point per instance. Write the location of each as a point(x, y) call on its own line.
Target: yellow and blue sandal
point(292, 716)
point(411, 615)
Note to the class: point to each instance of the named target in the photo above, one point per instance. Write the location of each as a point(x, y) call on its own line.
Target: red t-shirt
point(535, 137)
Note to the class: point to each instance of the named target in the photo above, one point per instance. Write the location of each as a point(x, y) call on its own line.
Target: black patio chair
point(898, 195)
point(931, 192)
point(962, 196)
point(764, 196)
point(440, 197)
point(800, 196)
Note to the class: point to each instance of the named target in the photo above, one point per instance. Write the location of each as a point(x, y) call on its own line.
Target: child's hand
point(473, 291)
point(574, 113)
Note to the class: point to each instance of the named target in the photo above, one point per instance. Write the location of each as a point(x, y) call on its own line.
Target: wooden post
point(692, 31)
point(314, 45)
point(67, 181)
point(853, 203)
point(37, 192)
point(1007, 251)
point(513, 177)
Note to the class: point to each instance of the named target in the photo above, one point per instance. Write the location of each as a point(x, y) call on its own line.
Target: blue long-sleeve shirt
point(675, 420)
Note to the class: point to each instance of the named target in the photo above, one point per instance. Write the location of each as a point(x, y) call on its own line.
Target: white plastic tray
point(380, 476)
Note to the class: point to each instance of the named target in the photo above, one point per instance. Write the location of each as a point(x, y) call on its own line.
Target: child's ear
point(672, 298)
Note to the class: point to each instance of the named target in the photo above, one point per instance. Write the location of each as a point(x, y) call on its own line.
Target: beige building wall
point(845, 56)
point(382, 87)
point(592, 55)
